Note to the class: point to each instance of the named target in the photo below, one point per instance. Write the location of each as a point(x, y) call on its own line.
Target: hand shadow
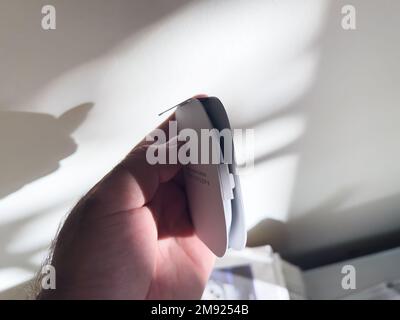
point(33, 144)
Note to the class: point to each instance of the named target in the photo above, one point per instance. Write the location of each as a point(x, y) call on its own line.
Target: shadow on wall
point(33, 144)
point(349, 153)
point(11, 230)
point(359, 224)
point(31, 57)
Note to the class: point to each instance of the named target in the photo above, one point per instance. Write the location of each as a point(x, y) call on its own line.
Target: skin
point(131, 237)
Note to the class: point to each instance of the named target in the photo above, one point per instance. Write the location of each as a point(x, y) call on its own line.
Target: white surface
point(323, 102)
point(267, 270)
point(325, 282)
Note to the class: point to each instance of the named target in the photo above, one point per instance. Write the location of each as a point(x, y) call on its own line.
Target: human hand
point(131, 237)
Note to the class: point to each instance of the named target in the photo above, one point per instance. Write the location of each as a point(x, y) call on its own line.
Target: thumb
point(133, 182)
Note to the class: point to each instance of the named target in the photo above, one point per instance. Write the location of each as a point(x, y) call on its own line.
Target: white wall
point(73, 101)
point(346, 192)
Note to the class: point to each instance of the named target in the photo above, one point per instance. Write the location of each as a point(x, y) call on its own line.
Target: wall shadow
point(358, 225)
point(350, 148)
point(25, 259)
point(33, 144)
point(9, 231)
point(31, 57)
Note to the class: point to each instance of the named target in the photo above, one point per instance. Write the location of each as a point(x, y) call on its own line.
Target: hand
point(131, 237)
